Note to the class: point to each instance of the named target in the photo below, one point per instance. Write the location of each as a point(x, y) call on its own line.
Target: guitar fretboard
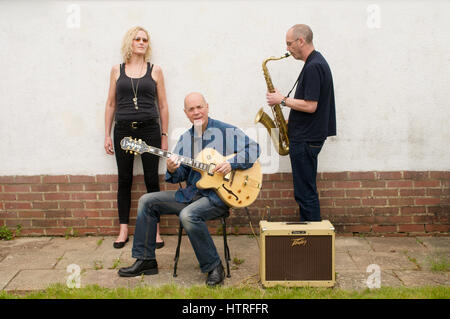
point(128, 143)
point(183, 159)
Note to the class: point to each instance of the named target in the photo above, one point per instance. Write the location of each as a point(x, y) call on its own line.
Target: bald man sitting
point(193, 206)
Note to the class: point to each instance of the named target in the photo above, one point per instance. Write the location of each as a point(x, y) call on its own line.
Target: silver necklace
point(135, 99)
point(135, 93)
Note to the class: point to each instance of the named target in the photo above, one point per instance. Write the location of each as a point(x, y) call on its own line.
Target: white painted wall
point(390, 62)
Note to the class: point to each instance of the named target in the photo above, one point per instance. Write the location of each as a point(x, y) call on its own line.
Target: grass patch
point(98, 264)
point(172, 291)
point(116, 263)
point(238, 261)
point(70, 232)
point(100, 242)
point(439, 263)
point(7, 234)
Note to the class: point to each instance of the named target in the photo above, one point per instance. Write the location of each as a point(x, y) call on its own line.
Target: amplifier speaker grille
point(299, 258)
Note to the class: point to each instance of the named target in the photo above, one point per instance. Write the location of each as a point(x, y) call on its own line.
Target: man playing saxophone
point(312, 118)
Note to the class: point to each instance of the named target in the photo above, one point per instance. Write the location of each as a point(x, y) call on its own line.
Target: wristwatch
point(283, 101)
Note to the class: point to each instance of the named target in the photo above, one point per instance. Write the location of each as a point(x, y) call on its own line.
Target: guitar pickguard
point(239, 188)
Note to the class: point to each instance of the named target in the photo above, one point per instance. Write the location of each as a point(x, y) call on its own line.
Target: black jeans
point(151, 135)
point(304, 172)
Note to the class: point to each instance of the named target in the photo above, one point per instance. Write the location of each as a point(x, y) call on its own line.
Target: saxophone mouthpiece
point(287, 54)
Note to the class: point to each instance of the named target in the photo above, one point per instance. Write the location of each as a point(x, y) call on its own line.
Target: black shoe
point(120, 244)
point(159, 245)
point(141, 266)
point(215, 276)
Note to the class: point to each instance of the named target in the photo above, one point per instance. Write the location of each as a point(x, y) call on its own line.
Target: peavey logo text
point(298, 241)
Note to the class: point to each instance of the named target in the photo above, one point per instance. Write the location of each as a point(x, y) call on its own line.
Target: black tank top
point(146, 97)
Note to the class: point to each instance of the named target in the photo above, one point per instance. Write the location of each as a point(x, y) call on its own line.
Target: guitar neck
point(183, 159)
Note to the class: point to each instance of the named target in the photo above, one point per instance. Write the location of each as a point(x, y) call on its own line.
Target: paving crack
point(58, 260)
point(421, 242)
point(351, 257)
point(413, 260)
point(369, 243)
point(7, 284)
point(397, 276)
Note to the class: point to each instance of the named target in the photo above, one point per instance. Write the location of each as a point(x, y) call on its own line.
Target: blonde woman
point(137, 104)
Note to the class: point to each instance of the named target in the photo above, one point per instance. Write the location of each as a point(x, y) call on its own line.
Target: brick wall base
point(400, 203)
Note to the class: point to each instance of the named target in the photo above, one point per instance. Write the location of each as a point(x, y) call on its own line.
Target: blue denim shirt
point(224, 138)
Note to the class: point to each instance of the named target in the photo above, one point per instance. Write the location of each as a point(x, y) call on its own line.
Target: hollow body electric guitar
point(239, 188)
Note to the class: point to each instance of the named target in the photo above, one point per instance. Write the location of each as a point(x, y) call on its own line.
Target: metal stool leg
point(225, 246)
point(177, 253)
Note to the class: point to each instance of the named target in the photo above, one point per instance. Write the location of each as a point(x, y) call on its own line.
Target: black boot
point(146, 267)
point(215, 276)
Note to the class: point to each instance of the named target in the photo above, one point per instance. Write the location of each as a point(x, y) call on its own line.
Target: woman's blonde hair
point(128, 42)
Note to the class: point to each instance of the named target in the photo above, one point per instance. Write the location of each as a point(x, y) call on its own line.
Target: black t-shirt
point(315, 84)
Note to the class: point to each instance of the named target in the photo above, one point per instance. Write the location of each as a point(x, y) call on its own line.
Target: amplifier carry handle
point(297, 223)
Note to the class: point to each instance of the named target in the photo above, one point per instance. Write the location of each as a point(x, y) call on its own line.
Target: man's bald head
point(302, 31)
point(194, 98)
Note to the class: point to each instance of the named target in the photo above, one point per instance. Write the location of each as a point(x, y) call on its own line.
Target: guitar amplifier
point(297, 254)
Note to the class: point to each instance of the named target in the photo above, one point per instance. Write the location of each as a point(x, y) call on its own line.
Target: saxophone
point(281, 140)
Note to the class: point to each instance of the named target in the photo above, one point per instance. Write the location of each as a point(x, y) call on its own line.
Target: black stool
point(225, 244)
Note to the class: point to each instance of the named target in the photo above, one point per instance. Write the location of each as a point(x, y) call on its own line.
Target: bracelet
point(165, 134)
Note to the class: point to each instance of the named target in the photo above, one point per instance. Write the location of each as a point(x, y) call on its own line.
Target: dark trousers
point(304, 172)
point(192, 215)
point(151, 135)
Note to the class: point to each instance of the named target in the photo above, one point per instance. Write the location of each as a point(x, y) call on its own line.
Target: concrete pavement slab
point(6, 275)
point(435, 243)
point(358, 280)
point(33, 259)
point(389, 279)
point(351, 280)
point(21, 244)
point(108, 278)
point(395, 244)
point(344, 262)
point(351, 244)
point(386, 260)
point(411, 278)
point(34, 263)
point(87, 244)
point(36, 279)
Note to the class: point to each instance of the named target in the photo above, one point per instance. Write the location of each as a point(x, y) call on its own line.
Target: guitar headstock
point(133, 145)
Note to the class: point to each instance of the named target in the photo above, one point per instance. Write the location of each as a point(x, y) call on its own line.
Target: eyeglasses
point(138, 39)
point(289, 43)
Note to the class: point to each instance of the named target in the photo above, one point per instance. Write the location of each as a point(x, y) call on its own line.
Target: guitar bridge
point(232, 177)
point(229, 177)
